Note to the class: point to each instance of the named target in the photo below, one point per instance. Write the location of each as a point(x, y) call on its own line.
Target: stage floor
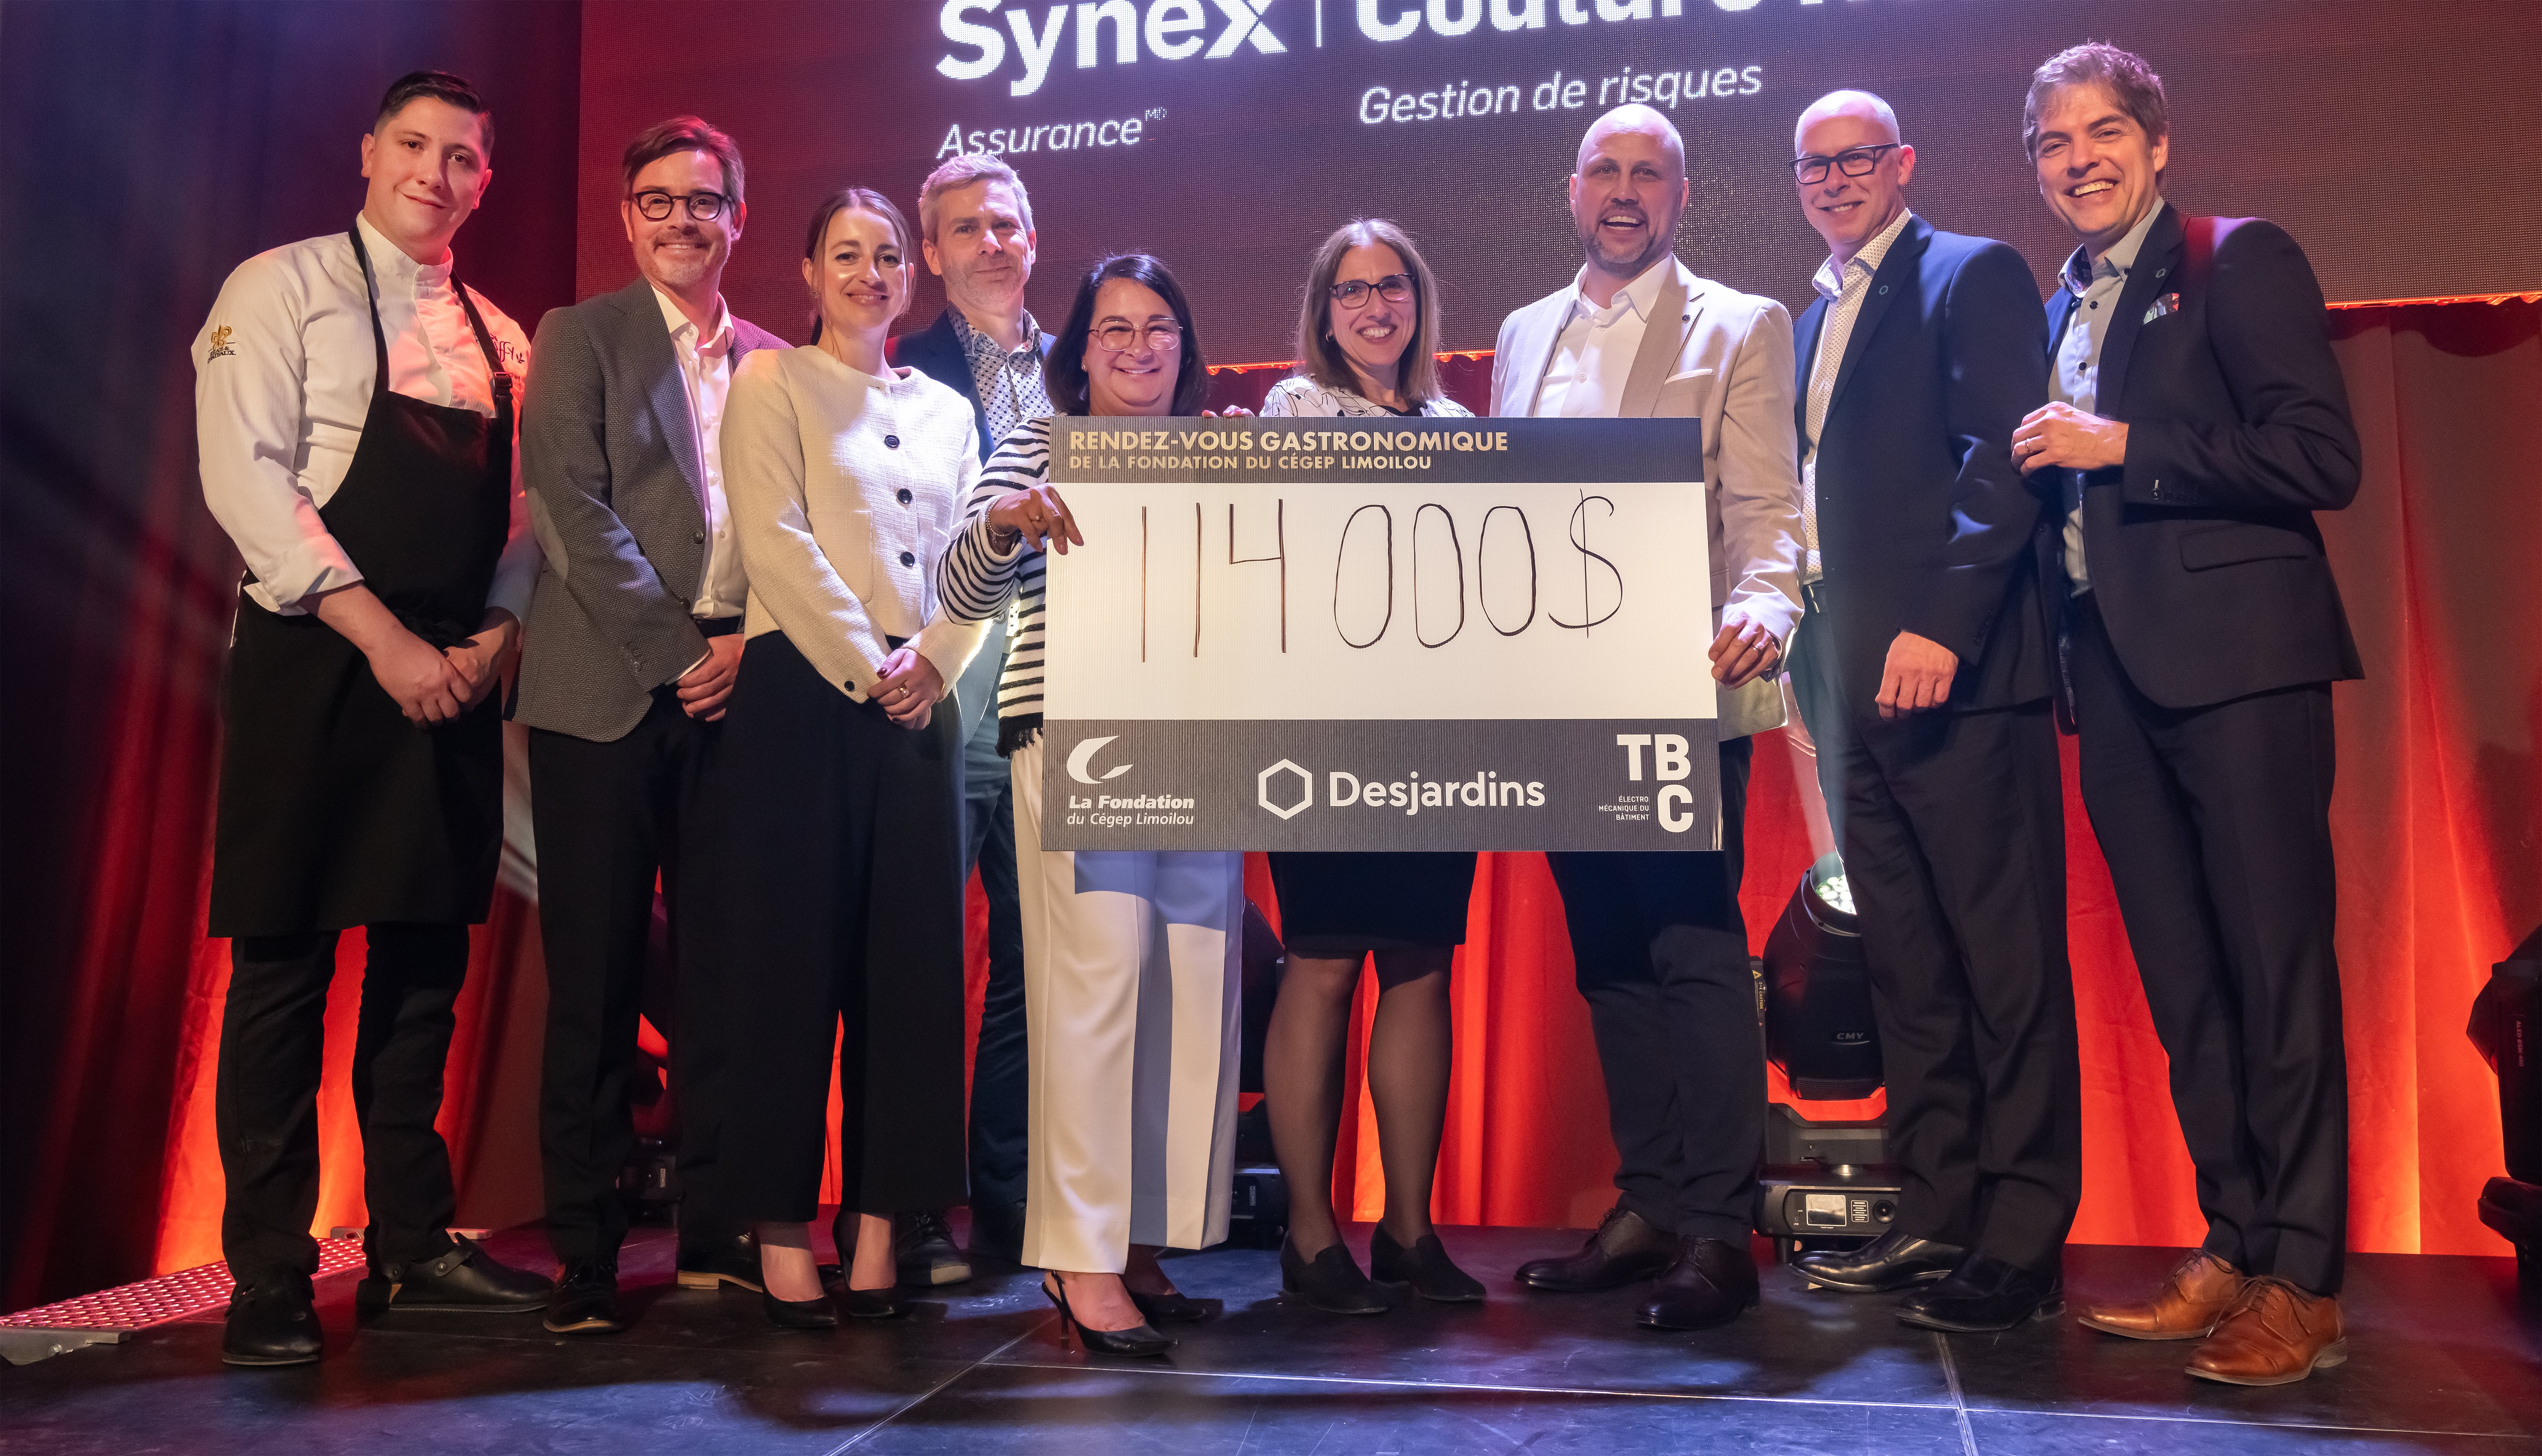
point(2440, 1363)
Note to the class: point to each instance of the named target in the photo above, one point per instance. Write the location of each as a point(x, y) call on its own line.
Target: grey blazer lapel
point(1663, 338)
point(656, 364)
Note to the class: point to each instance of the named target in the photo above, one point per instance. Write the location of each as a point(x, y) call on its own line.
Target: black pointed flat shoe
point(1425, 1269)
point(815, 1313)
point(1329, 1281)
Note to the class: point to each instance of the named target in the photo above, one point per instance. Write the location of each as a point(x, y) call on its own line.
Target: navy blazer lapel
point(1888, 282)
point(2155, 265)
point(657, 365)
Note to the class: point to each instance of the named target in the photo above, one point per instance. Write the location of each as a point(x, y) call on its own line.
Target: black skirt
point(1346, 903)
point(837, 915)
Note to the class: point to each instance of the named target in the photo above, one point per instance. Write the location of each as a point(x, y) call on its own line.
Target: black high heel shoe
point(1425, 1267)
point(871, 1304)
point(1139, 1340)
point(1331, 1283)
point(814, 1313)
point(1174, 1308)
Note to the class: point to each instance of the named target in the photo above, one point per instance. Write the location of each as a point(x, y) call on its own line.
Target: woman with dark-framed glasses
point(1366, 325)
point(1130, 958)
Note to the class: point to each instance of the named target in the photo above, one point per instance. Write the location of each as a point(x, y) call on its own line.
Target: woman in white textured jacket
point(841, 901)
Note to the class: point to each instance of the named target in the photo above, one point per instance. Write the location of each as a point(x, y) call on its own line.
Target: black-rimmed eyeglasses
point(1393, 288)
point(1852, 162)
point(656, 204)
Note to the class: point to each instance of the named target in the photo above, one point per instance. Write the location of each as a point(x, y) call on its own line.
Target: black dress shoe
point(585, 1301)
point(1174, 1308)
point(462, 1280)
point(270, 1325)
point(1141, 1339)
point(814, 1313)
point(921, 1247)
point(1893, 1260)
point(1425, 1267)
point(997, 1231)
point(1626, 1247)
point(1709, 1286)
point(714, 1263)
point(1984, 1295)
point(1330, 1282)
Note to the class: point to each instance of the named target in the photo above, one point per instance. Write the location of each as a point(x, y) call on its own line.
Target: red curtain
point(2438, 817)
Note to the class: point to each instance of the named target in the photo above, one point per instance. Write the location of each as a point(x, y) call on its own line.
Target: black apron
point(334, 810)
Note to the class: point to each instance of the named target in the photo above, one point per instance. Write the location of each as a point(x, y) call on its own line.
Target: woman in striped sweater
point(1132, 1107)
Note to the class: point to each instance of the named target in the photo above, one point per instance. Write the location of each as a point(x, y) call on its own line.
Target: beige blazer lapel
point(1663, 338)
point(1539, 329)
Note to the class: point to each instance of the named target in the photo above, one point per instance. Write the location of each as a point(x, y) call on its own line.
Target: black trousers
point(839, 932)
point(273, 1033)
point(2216, 822)
point(609, 817)
point(1001, 1068)
point(1952, 829)
point(1661, 955)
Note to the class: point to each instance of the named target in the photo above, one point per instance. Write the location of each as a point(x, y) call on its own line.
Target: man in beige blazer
point(1660, 949)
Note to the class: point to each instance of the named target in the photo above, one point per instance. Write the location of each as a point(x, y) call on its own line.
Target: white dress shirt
point(2076, 379)
point(283, 373)
point(1844, 289)
point(1594, 356)
point(706, 369)
point(847, 487)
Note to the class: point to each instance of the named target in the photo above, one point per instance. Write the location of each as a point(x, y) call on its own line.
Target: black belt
point(717, 626)
point(1813, 596)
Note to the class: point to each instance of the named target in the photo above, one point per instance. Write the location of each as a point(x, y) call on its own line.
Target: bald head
point(1626, 197)
point(1859, 106)
point(1851, 169)
point(1633, 121)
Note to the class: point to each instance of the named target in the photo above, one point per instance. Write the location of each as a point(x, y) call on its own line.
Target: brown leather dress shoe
point(2275, 1335)
point(2193, 1297)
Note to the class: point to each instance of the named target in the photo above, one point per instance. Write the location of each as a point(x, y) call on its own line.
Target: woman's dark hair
point(857, 200)
point(1321, 354)
point(1063, 370)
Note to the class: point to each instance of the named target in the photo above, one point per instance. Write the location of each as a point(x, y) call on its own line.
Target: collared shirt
point(1844, 288)
point(1009, 380)
point(283, 373)
point(2078, 375)
point(705, 370)
point(1594, 356)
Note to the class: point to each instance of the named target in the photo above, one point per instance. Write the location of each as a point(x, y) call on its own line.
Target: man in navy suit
point(1922, 670)
point(2198, 421)
point(975, 220)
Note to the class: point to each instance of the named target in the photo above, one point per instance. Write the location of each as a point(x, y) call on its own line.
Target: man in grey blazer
point(1657, 940)
point(637, 616)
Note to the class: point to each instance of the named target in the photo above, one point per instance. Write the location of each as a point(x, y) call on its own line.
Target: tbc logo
point(1262, 785)
point(1082, 759)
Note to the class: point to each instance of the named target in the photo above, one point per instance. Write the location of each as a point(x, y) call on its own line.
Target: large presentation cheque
point(1380, 635)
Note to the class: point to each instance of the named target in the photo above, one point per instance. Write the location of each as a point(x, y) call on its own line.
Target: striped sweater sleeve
point(978, 580)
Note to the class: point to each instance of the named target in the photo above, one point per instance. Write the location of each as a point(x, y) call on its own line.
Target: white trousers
point(1132, 966)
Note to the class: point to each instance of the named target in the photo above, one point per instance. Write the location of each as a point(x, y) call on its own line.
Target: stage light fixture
point(2507, 1027)
point(1824, 1184)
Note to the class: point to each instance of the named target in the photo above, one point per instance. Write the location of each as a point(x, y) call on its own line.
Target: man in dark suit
point(1923, 672)
point(2198, 423)
point(975, 222)
point(637, 620)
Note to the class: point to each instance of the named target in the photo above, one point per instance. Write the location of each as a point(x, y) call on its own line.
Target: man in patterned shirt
point(976, 222)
